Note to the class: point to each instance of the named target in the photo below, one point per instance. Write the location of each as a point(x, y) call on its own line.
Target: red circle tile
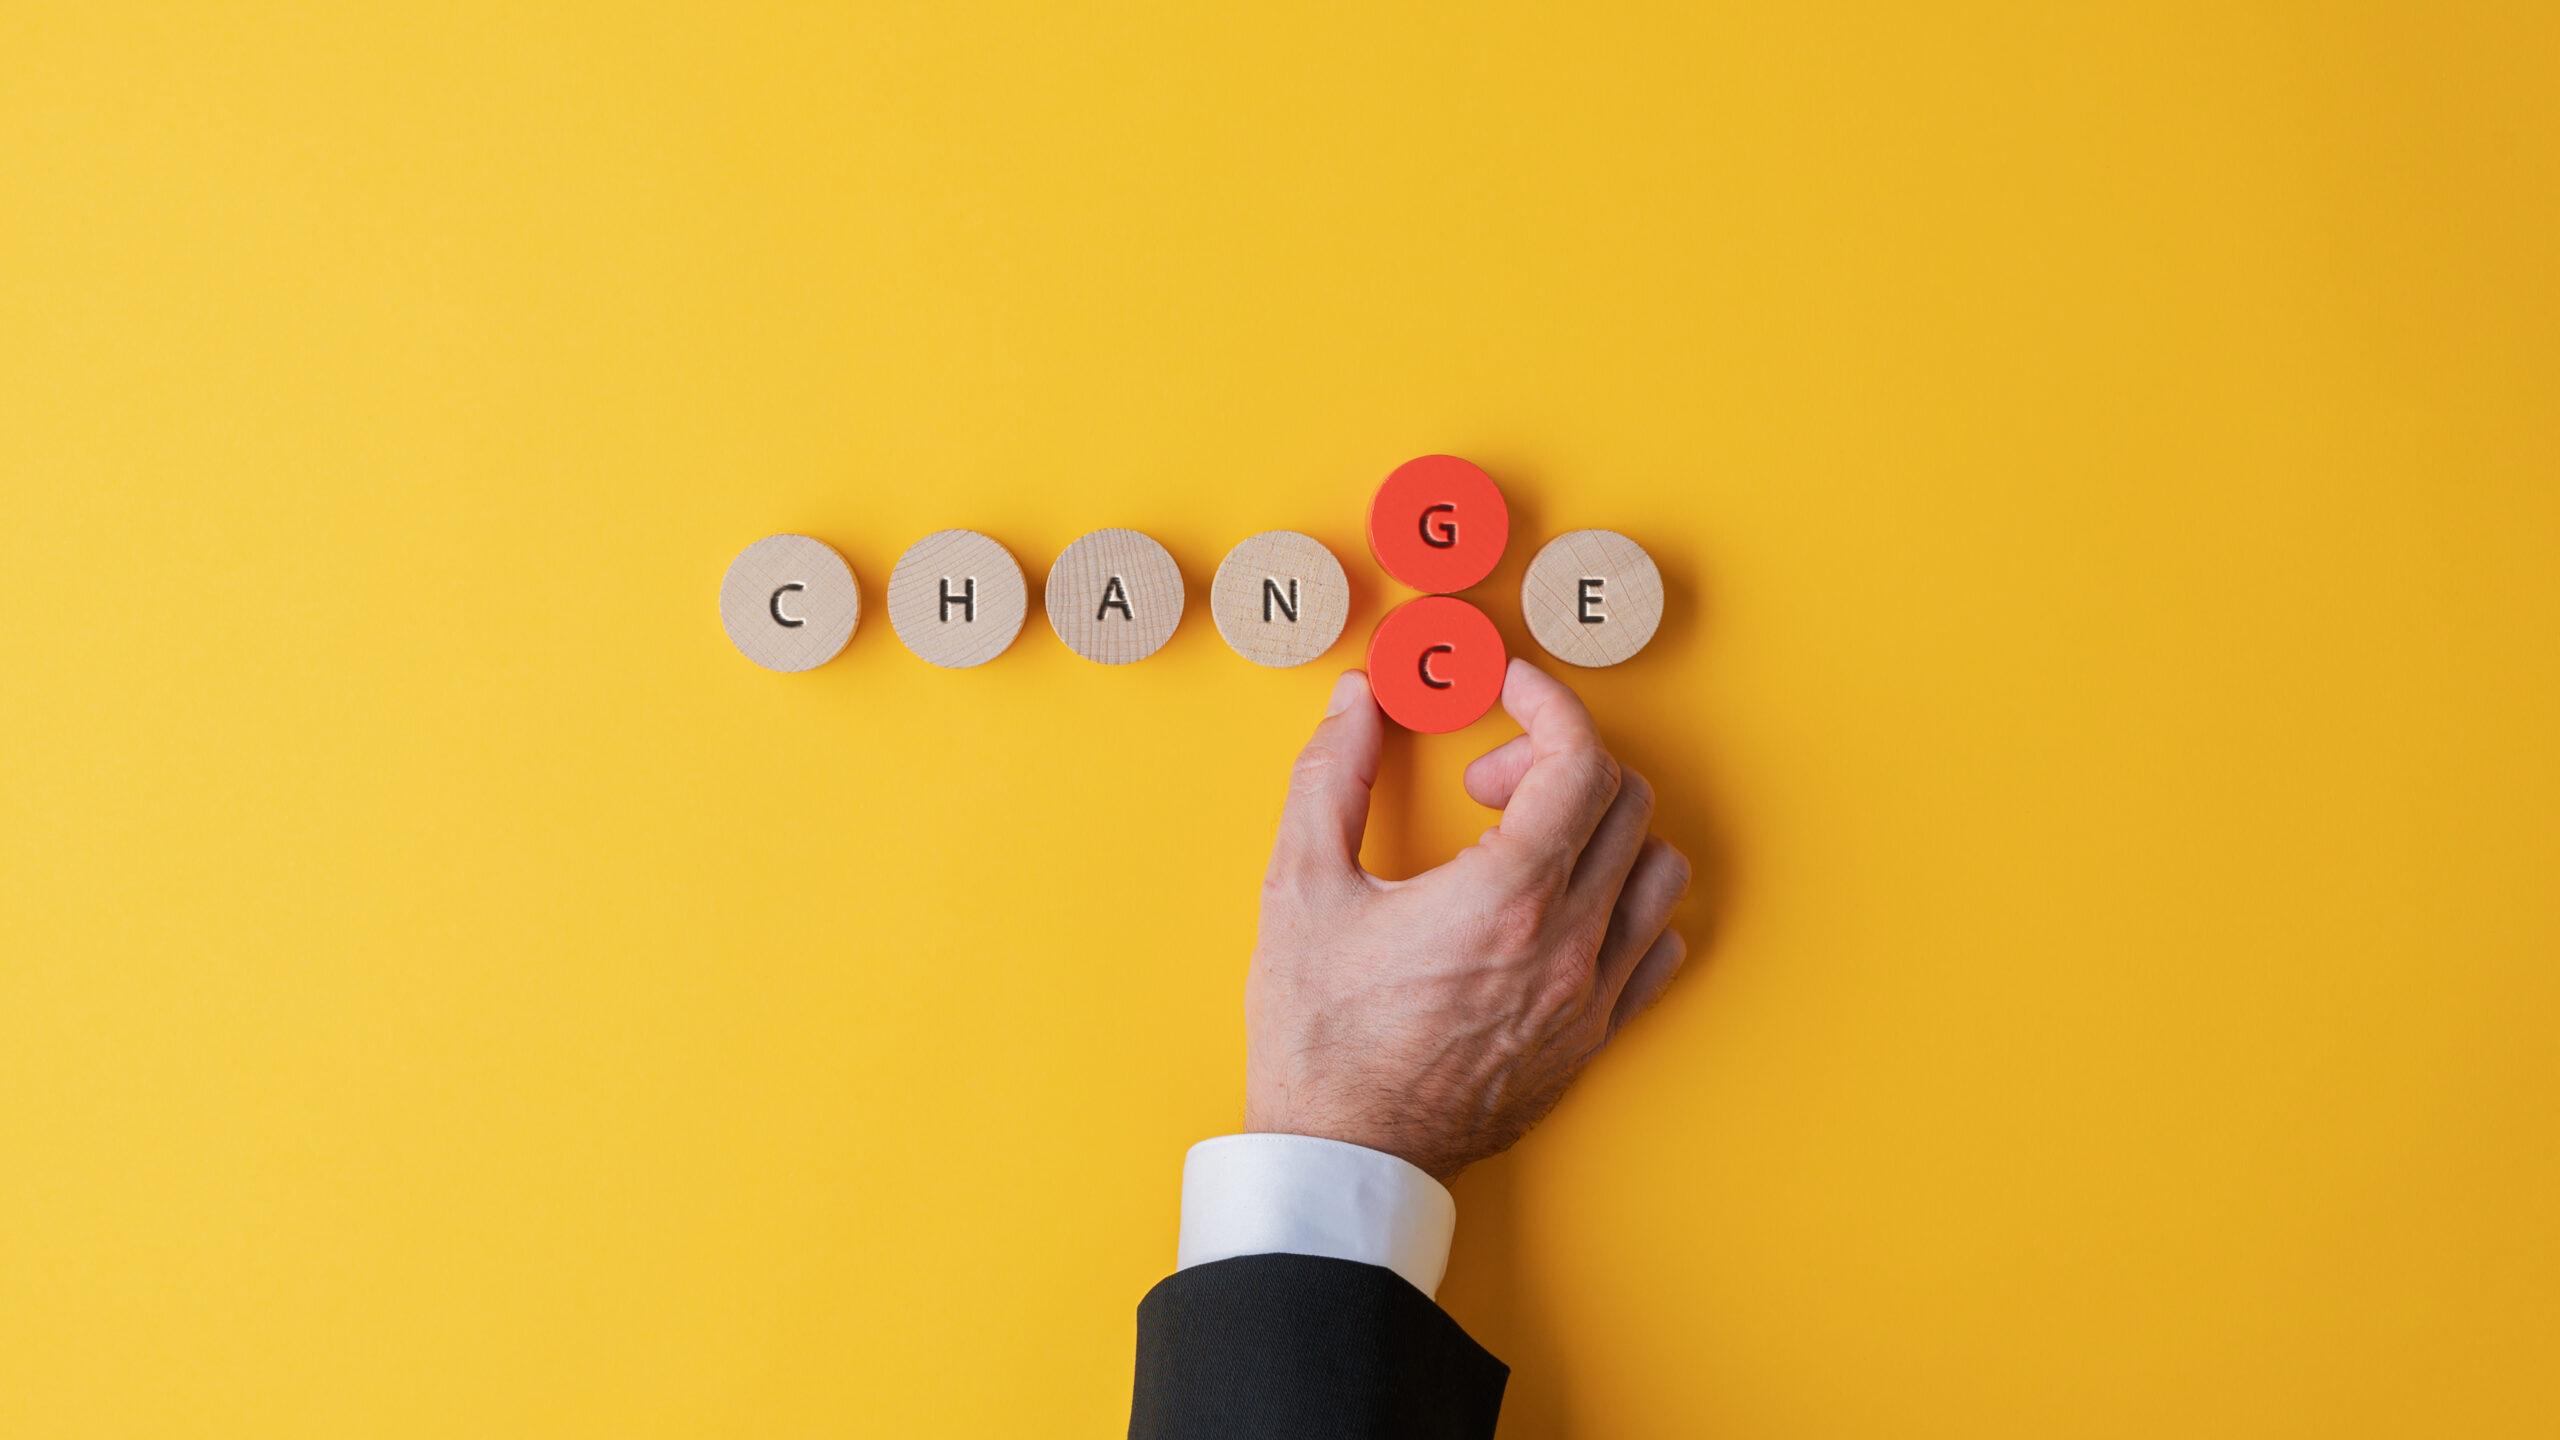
point(1436, 664)
point(1438, 524)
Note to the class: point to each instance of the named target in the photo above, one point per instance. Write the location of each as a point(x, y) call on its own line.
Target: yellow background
point(2105, 464)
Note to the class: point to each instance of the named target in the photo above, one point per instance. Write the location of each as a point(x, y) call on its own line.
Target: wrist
point(1383, 1137)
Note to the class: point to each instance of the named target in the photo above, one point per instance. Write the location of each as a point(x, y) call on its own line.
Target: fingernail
point(1345, 690)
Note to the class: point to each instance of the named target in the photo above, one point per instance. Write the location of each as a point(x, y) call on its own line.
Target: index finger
point(1328, 807)
point(1571, 779)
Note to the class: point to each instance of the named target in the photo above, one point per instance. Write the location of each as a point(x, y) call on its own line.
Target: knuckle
point(1313, 770)
point(1517, 921)
point(1600, 771)
point(1569, 978)
point(1637, 792)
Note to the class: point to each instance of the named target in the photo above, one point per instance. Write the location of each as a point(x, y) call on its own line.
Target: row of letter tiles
point(958, 599)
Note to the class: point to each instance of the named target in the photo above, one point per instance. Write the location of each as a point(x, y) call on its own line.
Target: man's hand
point(1438, 1018)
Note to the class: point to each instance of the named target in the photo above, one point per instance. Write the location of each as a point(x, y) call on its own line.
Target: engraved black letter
point(1424, 664)
point(1448, 535)
point(1115, 598)
point(1588, 599)
point(1271, 596)
point(775, 605)
point(968, 598)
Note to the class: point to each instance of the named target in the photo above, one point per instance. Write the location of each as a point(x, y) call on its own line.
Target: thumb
point(1328, 807)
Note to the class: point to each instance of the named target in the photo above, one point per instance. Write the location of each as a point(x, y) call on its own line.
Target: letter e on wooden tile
point(1592, 597)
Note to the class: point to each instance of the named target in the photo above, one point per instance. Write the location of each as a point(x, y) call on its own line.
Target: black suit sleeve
point(1306, 1348)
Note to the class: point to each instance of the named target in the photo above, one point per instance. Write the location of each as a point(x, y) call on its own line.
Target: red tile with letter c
point(1436, 664)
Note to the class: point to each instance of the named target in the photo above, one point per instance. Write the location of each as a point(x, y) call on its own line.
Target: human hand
point(1438, 1018)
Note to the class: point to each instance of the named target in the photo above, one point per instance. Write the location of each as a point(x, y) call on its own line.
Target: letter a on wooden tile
point(789, 602)
point(1280, 598)
point(1114, 596)
point(1592, 597)
point(957, 599)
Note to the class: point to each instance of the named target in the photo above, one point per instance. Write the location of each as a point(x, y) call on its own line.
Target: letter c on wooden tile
point(789, 603)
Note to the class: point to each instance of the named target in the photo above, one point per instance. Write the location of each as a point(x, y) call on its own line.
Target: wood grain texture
point(1114, 596)
point(1592, 597)
point(1266, 577)
point(957, 599)
point(789, 602)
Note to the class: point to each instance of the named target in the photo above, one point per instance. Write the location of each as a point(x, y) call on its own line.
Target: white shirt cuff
point(1298, 1195)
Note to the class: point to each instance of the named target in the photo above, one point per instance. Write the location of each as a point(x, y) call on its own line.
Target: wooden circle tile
point(1280, 598)
point(1436, 664)
point(1592, 597)
point(1438, 524)
point(1114, 596)
point(957, 598)
point(789, 602)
